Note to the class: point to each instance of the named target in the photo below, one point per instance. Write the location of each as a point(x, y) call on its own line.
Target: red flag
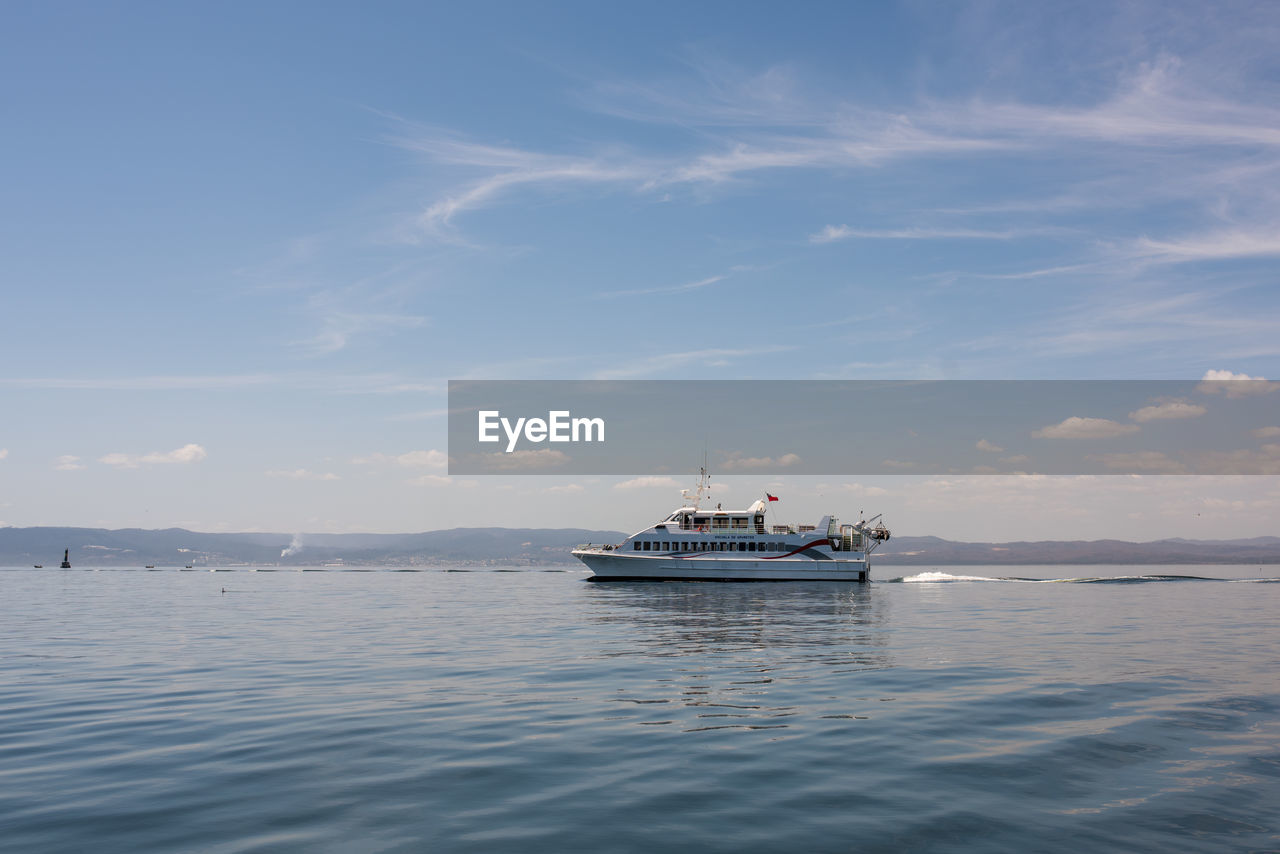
point(771, 497)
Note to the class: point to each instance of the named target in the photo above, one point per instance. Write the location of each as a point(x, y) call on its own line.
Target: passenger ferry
point(693, 544)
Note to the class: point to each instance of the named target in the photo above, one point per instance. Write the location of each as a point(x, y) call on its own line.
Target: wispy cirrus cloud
point(834, 233)
point(666, 362)
point(340, 323)
point(672, 289)
point(336, 383)
point(768, 121)
point(1223, 244)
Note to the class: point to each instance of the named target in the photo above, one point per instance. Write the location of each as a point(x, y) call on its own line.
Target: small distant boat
point(188, 566)
point(150, 566)
point(66, 559)
point(39, 566)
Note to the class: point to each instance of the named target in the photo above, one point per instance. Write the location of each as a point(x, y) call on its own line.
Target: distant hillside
point(178, 547)
point(540, 546)
point(917, 551)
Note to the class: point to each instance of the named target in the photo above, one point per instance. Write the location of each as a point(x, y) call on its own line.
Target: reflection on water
point(530, 711)
point(749, 640)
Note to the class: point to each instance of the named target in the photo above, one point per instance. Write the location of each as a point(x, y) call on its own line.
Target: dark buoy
point(66, 559)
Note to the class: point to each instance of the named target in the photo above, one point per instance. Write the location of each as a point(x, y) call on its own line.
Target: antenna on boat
point(703, 488)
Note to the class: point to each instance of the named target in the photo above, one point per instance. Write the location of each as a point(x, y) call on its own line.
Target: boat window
point(759, 524)
point(635, 545)
point(666, 547)
point(751, 547)
point(739, 521)
point(720, 522)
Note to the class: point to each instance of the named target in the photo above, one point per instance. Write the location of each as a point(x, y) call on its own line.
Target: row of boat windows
point(718, 522)
point(673, 546)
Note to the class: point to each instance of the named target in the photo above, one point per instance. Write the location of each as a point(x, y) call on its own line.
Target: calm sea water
point(530, 711)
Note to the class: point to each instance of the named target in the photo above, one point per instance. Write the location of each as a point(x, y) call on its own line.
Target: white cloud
point(984, 445)
point(1146, 461)
point(756, 463)
point(1076, 427)
point(1265, 460)
point(860, 489)
point(1172, 410)
point(429, 459)
point(525, 460)
point(4, 452)
point(1234, 385)
point(431, 480)
point(410, 459)
point(302, 474)
point(1016, 458)
point(67, 462)
point(189, 453)
point(648, 483)
point(1267, 432)
point(564, 489)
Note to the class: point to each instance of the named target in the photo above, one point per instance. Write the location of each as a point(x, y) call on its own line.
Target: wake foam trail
point(935, 577)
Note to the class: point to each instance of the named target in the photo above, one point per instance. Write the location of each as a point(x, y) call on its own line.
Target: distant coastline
point(177, 547)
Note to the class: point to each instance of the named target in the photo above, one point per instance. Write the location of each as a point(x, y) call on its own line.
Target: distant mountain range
point(917, 551)
point(179, 547)
point(541, 546)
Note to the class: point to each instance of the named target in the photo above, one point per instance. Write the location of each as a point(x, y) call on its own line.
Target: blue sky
point(274, 232)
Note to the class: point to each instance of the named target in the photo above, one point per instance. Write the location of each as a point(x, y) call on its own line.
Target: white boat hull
point(617, 566)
